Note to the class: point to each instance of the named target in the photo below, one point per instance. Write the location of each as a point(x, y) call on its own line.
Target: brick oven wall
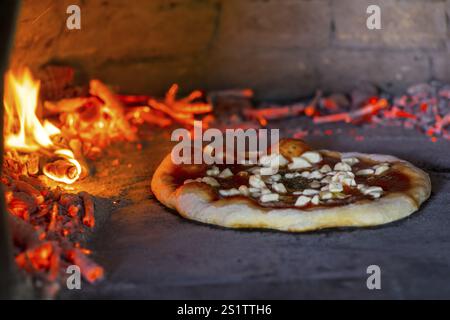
point(284, 49)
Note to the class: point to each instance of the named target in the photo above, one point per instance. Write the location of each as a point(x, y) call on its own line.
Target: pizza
point(311, 190)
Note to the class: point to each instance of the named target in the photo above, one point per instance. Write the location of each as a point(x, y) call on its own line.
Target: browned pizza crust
point(198, 201)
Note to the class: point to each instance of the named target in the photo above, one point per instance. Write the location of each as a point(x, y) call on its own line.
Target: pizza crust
point(198, 201)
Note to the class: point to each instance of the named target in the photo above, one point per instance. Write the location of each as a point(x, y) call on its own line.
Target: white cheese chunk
point(342, 166)
point(226, 173)
point(372, 190)
point(305, 174)
point(279, 187)
point(299, 163)
point(256, 182)
point(341, 176)
point(312, 156)
point(349, 182)
point(325, 168)
point(310, 192)
point(229, 192)
point(302, 201)
point(244, 190)
point(211, 181)
point(315, 200)
point(325, 195)
point(350, 160)
point(289, 175)
point(315, 175)
point(381, 169)
point(273, 160)
point(214, 171)
point(335, 187)
point(365, 172)
point(275, 177)
point(270, 197)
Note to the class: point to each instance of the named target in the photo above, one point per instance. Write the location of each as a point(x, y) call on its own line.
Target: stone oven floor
point(151, 252)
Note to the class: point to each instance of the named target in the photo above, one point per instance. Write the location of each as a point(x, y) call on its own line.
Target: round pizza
point(309, 190)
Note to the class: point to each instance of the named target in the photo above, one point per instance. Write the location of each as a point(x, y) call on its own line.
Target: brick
point(405, 24)
point(37, 29)
point(441, 66)
point(116, 30)
point(275, 23)
point(448, 24)
point(151, 76)
point(273, 74)
point(342, 70)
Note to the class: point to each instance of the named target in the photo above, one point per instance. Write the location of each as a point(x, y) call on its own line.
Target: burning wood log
point(99, 89)
point(91, 271)
point(33, 164)
point(368, 110)
point(29, 189)
point(36, 258)
point(24, 235)
point(22, 205)
point(61, 169)
point(144, 114)
point(66, 105)
point(182, 110)
point(42, 219)
point(53, 218)
point(275, 112)
point(89, 218)
point(77, 147)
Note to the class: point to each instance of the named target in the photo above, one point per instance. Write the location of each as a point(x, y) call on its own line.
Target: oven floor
point(151, 252)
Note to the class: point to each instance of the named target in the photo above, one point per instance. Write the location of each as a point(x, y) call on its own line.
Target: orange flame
point(23, 130)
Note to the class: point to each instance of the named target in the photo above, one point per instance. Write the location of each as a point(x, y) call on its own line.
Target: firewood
point(274, 113)
point(97, 88)
point(33, 164)
point(90, 271)
point(53, 218)
point(22, 205)
point(65, 105)
point(69, 199)
point(61, 168)
point(182, 110)
point(34, 182)
point(143, 114)
point(24, 235)
point(25, 187)
point(89, 218)
point(368, 110)
point(233, 93)
point(77, 147)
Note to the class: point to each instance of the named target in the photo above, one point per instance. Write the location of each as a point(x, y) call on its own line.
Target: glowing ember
point(23, 130)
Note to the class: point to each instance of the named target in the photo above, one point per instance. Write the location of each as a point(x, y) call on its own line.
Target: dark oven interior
point(312, 68)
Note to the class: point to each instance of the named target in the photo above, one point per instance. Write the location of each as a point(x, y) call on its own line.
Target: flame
point(23, 130)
